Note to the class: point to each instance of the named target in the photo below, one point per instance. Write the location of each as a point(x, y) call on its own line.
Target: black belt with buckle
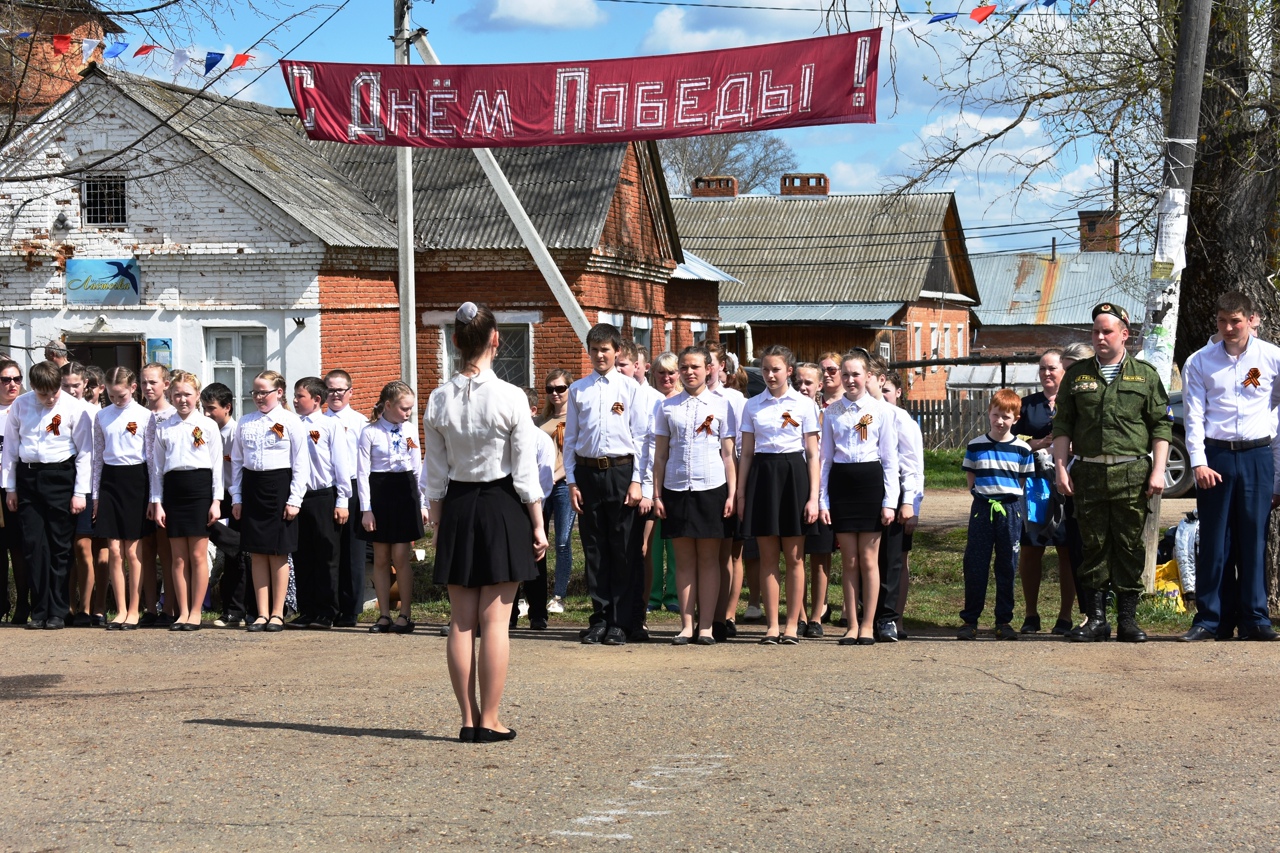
point(604, 463)
point(38, 466)
point(1249, 444)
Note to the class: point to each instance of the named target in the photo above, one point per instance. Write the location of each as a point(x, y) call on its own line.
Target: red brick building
point(820, 272)
point(33, 73)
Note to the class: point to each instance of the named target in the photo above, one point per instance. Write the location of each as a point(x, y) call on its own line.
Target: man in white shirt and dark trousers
point(1230, 394)
point(604, 447)
point(352, 550)
point(324, 508)
point(45, 472)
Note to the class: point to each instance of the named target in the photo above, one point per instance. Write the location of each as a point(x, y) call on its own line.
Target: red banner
point(827, 80)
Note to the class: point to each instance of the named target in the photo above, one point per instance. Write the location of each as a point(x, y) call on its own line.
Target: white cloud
point(670, 34)
point(559, 14)
point(680, 31)
point(855, 177)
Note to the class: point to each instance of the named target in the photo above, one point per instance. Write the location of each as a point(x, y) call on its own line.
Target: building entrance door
point(107, 352)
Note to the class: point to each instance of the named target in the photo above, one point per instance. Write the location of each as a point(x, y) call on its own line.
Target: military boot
point(1096, 629)
point(1127, 631)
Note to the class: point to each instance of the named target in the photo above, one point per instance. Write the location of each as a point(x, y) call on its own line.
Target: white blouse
point(780, 424)
point(384, 447)
point(185, 445)
point(695, 428)
point(268, 442)
point(352, 423)
point(331, 464)
point(860, 431)
point(119, 438)
point(478, 429)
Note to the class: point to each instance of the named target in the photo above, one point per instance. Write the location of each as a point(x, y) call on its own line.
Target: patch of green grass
point(942, 469)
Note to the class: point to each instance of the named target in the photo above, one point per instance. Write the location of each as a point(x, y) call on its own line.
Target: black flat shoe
point(681, 640)
point(115, 626)
point(484, 735)
point(704, 641)
point(866, 641)
point(274, 627)
point(730, 629)
point(176, 626)
point(768, 640)
point(382, 626)
point(256, 627)
point(97, 620)
point(406, 628)
point(191, 626)
point(847, 641)
point(786, 640)
point(128, 626)
point(467, 734)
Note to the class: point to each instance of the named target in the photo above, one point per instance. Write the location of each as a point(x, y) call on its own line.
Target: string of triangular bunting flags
point(979, 14)
point(180, 56)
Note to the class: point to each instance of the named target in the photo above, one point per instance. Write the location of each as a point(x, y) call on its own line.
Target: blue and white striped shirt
point(998, 467)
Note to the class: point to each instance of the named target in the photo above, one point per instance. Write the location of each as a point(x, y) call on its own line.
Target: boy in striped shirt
point(997, 464)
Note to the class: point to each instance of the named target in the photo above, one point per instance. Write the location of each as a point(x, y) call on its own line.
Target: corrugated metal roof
point(566, 190)
point(837, 248)
point(764, 312)
point(695, 268)
point(1029, 289)
point(269, 153)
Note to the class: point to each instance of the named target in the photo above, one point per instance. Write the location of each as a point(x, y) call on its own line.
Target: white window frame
point(946, 340)
point(962, 341)
point(933, 345)
point(698, 330)
point(612, 319)
point(917, 343)
point(642, 332)
point(244, 401)
point(668, 331)
point(886, 350)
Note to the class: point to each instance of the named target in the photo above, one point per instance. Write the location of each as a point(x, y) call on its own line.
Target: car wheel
point(1178, 479)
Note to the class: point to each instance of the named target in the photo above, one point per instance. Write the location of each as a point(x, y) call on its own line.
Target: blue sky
point(858, 158)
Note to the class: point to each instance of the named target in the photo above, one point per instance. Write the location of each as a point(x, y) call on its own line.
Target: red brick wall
point(37, 75)
point(360, 330)
point(930, 383)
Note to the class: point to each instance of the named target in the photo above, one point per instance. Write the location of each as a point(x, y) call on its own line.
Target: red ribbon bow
point(862, 425)
point(1252, 377)
point(559, 435)
point(706, 425)
point(617, 408)
point(54, 424)
point(132, 427)
point(197, 437)
point(409, 443)
point(226, 458)
point(787, 419)
point(278, 429)
point(315, 436)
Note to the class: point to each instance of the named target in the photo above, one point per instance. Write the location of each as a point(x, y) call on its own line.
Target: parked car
point(1178, 479)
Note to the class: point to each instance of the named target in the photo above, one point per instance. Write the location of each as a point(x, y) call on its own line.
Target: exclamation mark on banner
point(860, 66)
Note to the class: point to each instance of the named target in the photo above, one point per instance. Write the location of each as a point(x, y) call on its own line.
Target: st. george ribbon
point(825, 80)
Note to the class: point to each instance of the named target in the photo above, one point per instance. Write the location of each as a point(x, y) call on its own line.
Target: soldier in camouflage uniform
point(1113, 416)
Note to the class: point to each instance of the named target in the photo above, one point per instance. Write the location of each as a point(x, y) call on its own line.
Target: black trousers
point(611, 546)
point(315, 563)
point(535, 592)
point(351, 563)
point(11, 546)
point(44, 514)
point(890, 574)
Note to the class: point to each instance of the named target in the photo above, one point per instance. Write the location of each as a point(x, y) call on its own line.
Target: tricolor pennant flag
point(115, 50)
point(945, 16)
point(144, 50)
point(211, 61)
point(981, 13)
point(61, 44)
point(240, 60)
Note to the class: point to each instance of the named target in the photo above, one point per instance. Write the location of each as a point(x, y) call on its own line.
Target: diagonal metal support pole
point(532, 240)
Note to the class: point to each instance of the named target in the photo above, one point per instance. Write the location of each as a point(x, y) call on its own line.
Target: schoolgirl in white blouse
point(270, 467)
point(186, 488)
point(154, 383)
point(860, 488)
point(121, 484)
point(694, 484)
point(388, 464)
point(778, 484)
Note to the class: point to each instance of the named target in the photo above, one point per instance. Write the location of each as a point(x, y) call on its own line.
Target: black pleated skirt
point(696, 515)
point(856, 493)
point(397, 512)
point(122, 502)
point(822, 540)
point(485, 536)
point(263, 530)
point(187, 495)
point(777, 490)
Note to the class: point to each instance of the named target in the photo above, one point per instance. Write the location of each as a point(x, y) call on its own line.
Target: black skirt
point(695, 515)
point(856, 493)
point(397, 512)
point(263, 530)
point(122, 502)
point(187, 495)
point(85, 525)
point(822, 540)
point(485, 536)
point(777, 490)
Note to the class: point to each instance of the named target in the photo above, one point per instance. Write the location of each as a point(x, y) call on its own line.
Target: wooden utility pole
point(404, 222)
point(1161, 321)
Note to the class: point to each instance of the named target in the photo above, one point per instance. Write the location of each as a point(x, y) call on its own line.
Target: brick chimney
point(799, 183)
point(1099, 231)
point(715, 186)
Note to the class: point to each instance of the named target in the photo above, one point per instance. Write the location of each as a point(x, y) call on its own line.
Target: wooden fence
point(949, 424)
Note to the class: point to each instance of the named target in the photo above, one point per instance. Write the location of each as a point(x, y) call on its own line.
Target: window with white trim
point(102, 200)
point(667, 330)
point(514, 361)
point(699, 331)
point(962, 341)
point(886, 350)
point(946, 340)
point(919, 352)
point(615, 320)
point(933, 345)
point(235, 358)
point(642, 333)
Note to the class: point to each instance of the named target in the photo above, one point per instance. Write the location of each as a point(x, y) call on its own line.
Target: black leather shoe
point(615, 636)
point(730, 629)
point(1127, 630)
point(814, 630)
point(1262, 634)
point(719, 632)
point(54, 624)
point(467, 734)
point(705, 641)
point(1096, 629)
point(320, 623)
point(344, 623)
point(681, 640)
point(887, 632)
point(82, 620)
point(594, 634)
point(1197, 634)
point(484, 735)
point(36, 625)
point(302, 620)
point(538, 624)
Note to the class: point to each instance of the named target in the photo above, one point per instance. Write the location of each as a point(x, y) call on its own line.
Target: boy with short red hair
point(998, 463)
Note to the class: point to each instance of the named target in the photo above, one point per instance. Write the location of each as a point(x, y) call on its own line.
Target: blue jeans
point(991, 531)
point(559, 512)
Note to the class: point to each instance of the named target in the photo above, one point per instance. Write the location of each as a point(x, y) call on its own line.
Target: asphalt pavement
point(222, 740)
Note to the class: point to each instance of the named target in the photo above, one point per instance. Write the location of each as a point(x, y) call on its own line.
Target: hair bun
point(466, 313)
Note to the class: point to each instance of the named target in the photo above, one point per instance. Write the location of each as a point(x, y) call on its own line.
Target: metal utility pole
point(532, 240)
point(1161, 321)
point(404, 223)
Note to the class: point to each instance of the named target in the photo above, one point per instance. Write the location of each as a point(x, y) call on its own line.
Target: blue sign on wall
point(93, 281)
